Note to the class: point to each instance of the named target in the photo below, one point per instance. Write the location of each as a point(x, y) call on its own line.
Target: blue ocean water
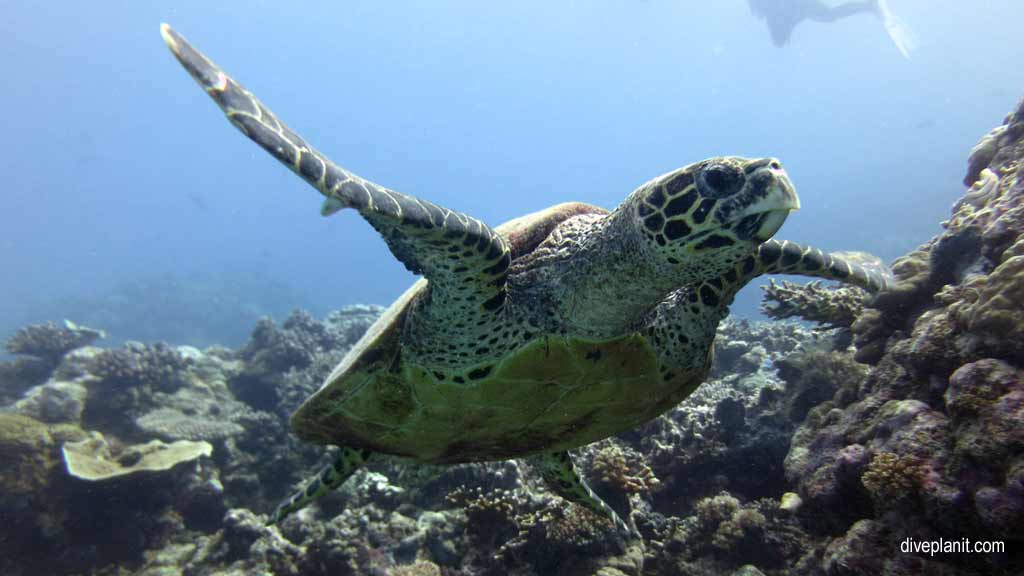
point(125, 189)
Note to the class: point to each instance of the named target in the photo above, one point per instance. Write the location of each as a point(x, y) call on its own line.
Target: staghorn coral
point(829, 307)
point(573, 526)
point(50, 342)
point(559, 539)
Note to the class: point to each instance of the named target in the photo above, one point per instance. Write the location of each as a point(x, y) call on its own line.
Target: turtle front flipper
point(779, 257)
point(562, 478)
point(464, 259)
point(330, 477)
point(857, 268)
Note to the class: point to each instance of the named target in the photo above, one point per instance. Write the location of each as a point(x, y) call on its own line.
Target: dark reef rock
point(21, 374)
point(932, 445)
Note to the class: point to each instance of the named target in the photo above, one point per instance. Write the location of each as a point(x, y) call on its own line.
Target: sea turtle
point(549, 332)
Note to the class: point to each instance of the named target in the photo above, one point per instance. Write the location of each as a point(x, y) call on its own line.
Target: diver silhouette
point(782, 16)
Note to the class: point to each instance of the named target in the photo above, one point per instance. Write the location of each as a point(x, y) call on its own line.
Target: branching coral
point(158, 366)
point(891, 477)
point(50, 341)
point(623, 470)
point(572, 525)
point(829, 307)
point(728, 521)
point(491, 515)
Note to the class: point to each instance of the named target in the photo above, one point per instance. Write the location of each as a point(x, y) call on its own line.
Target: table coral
point(93, 459)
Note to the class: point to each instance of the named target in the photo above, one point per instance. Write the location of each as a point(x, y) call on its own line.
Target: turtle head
point(701, 219)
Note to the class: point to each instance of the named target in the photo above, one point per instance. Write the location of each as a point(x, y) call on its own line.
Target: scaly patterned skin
point(465, 260)
point(330, 477)
point(560, 475)
point(662, 268)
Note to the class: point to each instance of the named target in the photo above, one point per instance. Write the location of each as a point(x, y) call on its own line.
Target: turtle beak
point(767, 214)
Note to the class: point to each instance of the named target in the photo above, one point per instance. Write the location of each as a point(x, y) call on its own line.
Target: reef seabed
point(801, 455)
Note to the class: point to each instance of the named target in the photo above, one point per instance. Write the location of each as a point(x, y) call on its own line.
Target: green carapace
point(549, 332)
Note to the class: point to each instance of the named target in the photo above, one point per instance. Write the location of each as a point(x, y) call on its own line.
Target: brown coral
point(728, 520)
point(623, 471)
point(50, 341)
point(891, 477)
point(829, 307)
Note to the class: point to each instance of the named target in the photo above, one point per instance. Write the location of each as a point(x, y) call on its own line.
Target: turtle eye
point(720, 181)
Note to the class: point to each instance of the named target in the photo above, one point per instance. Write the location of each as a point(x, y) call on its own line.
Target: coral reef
point(275, 358)
point(54, 401)
point(50, 342)
point(931, 445)
point(797, 457)
point(28, 450)
point(43, 345)
point(835, 307)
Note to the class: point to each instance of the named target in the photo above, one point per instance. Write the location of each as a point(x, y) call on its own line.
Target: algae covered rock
point(28, 452)
point(54, 401)
point(24, 449)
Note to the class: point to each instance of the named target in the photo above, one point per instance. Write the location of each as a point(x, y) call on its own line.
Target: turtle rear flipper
point(330, 477)
point(561, 477)
point(464, 259)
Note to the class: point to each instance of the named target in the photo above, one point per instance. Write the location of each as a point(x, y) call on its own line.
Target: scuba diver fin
point(901, 36)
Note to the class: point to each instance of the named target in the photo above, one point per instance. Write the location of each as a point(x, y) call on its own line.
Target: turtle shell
point(553, 393)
